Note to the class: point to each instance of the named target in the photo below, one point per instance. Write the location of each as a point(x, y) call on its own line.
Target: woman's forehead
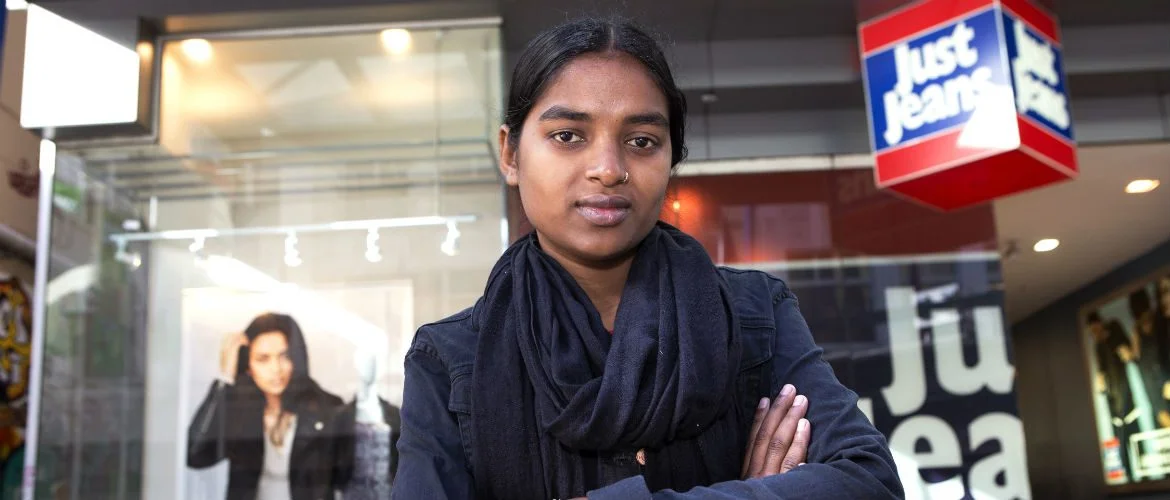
point(271, 340)
point(601, 84)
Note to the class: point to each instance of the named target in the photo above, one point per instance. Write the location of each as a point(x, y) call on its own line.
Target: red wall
point(806, 215)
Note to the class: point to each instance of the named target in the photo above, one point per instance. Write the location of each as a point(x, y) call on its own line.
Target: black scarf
point(551, 386)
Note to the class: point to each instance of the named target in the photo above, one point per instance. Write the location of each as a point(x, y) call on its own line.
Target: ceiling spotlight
point(450, 245)
point(196, 49)
point(1139, 186)
point(1046, 245)
point(373, 253)
point(676, 206)
point(267, 132)
point(132, 259)
point(292, 257)
point(197, 245)
point(396, 41)
point(145, 50)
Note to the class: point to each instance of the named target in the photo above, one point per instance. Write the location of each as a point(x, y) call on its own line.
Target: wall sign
point(967, 100)
point(924, 344)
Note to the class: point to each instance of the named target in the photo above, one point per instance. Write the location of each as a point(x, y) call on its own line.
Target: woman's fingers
point(798, 452)
point(761, 412)
point(784, 437)
point(764, 437)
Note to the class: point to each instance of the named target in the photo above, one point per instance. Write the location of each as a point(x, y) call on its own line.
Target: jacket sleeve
point(205, 436)
point(430, 449)
point(394, 416)
point(847, 456)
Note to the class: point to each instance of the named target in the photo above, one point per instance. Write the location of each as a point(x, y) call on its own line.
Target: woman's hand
point(780, 435)
point(229, 355)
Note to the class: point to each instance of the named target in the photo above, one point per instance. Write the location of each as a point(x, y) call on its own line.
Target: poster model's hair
point(545, 55)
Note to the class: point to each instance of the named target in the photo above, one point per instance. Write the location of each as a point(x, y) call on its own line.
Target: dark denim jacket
point(847, 457)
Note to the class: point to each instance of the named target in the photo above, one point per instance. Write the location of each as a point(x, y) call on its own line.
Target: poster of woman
point(289, 391)
point(1127, 339)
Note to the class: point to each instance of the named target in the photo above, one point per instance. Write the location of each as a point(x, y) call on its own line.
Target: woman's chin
point(273, 391)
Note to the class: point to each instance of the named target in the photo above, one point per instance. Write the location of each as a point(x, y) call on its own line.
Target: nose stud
point(626, 179)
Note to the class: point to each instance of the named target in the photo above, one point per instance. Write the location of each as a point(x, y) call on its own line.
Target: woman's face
point(269, 364)
point(1164, 295)
point(601, 117)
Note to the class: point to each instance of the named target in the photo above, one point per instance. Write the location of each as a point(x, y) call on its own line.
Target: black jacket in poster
point(223, 430)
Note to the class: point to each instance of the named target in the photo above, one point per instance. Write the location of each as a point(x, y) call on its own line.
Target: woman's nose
point(606, 164)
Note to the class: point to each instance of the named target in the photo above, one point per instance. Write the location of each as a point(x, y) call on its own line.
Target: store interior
point(1068, 250)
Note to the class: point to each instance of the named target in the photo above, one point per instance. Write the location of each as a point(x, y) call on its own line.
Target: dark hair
point(1159, 305)
point(1139, 303)
point(1161, 323)
point(1115, 335)
point(1094, 317)
point(300, 384)
point(551, 50)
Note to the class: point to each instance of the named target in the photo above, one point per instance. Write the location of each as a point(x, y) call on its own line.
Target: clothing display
point(371, 463)
point(366, 459)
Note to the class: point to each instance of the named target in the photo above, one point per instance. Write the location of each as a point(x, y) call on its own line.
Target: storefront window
point(905, 300)
point(309, 202)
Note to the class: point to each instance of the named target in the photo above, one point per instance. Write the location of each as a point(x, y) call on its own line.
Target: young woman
point(609, 356)
point(267, 417)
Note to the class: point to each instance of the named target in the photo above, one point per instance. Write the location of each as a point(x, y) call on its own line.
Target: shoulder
point(451, 340)
point(327, 399)
point(755, 293)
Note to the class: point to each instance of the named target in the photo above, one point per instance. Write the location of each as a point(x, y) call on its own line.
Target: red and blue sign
point(967, 100)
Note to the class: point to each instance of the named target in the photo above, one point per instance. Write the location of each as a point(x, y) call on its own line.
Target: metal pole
point(48, 167)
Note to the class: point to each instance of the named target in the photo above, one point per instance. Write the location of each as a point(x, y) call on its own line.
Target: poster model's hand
point(779, 438)
point(229, 355)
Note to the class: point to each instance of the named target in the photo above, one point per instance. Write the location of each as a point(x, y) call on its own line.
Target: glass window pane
point(347, 182)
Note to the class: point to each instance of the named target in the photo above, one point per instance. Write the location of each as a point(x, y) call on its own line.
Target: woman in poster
point(267, 417)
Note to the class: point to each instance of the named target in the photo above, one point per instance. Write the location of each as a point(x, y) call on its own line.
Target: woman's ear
point(508, 166)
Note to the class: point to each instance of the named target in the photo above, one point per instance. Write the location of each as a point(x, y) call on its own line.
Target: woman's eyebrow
point(562, 113)
point(558, 112)
point(652, 118)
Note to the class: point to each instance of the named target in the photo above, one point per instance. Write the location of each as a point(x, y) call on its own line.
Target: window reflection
point(344, 184)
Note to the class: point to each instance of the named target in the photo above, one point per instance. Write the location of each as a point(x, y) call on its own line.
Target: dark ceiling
point(698, 20)
point(680, 20)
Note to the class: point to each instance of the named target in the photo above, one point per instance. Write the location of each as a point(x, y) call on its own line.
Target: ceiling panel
point(1099, 226)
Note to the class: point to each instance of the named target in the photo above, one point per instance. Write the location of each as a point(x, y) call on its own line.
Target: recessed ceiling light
point(1046, 245)
point(1138, 186)
point(396, 40)
point(197, 50)
point(267, 132)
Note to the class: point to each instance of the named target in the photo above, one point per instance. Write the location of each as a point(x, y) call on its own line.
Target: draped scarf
point(550, 385)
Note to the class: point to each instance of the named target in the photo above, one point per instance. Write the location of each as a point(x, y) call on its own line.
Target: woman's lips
point(604, 210)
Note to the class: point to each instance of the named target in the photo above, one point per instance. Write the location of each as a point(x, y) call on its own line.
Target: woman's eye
point(566, 137)
point(641, 142)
